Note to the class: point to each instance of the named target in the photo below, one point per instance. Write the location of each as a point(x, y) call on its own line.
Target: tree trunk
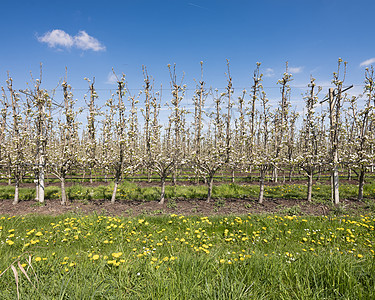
point(210, 185)
point(261, 185)
point(9, 177)
point(41, 186)
point(16, 191)
point(290, 174)
point(309, 185)
point(174, 178)
point(41, 178)
point(361, 184)
point(349, 173)
point(233, 176)
point(332, 188)
point(250, 175)
point(335, 185)
point(162, 194)
point(63, 191)
point(113, 199)
point(335, 178)
point(36, 181)
point(274, 175)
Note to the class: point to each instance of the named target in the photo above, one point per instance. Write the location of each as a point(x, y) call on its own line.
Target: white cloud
point(367, 62)
point(295, 70)
point(59, 38)
point(85, 42)
point(269, 72)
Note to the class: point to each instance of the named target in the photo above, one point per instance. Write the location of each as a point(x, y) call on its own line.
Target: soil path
point(183, 207)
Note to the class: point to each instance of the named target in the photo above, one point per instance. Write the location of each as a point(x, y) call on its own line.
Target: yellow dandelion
point(117, 255)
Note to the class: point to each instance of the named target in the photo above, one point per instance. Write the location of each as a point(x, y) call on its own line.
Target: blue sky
point(92, 37)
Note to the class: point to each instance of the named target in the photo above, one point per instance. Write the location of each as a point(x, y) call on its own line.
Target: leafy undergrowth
point(178, 257)
point(131, 191)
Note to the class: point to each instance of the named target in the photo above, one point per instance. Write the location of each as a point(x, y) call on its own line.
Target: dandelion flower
point(117, 255)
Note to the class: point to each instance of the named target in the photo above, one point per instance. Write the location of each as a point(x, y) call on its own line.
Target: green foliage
point(348, 191)
point(338, 210)
point(77, 192)
point(286, 191)
point(52, 192)
point(171, 203)
point(150, 194)
point(370, 206)
point(38, 204)
point(177, 257)
point(6, 192)
point(157, 212)
point(129, 191)
point(235, 191)
point(295, 210)
point(102, 192)
point(220, 203)
point(27, 194)
point(248, 205)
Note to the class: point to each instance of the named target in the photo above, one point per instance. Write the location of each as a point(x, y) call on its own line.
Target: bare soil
point(184, 207)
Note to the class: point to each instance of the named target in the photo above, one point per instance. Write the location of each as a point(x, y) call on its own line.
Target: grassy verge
point(131, 191)
point(177, 257)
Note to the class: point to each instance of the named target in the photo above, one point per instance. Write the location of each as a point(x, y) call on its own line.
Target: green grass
point(131, 191)
point(177, 257)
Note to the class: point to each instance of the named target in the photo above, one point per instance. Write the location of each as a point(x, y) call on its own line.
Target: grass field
point(178, 257)
point(131, 191)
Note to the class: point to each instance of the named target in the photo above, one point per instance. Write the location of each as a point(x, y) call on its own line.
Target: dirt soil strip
point(183, 207)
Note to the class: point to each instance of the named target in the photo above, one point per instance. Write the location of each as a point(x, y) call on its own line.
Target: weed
point(171, 204)
point(38, 204)
point(370, 205)
point(295, 210)
point(338, 210)
point(247, 205)
point(220, 203)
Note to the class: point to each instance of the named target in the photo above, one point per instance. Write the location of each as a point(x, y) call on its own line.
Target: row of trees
point(39, 135)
